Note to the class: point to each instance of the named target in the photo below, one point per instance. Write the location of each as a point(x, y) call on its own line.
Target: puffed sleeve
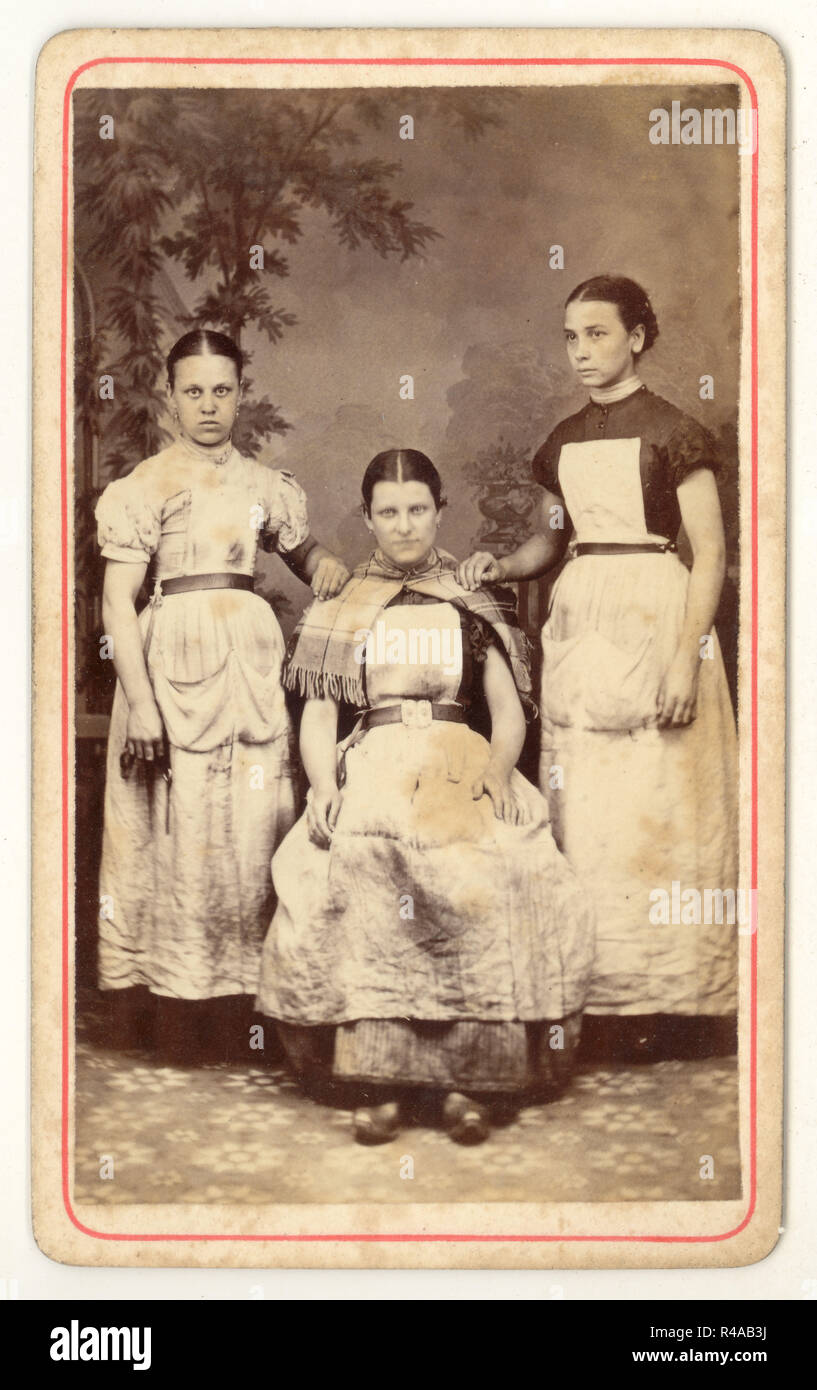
point(689, 448)
point(286, 523)
point(128, 526)
point(545, 464)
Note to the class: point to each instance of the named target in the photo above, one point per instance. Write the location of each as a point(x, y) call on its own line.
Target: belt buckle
point(416, 714)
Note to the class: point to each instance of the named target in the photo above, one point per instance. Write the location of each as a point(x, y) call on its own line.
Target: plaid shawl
point(320, 660)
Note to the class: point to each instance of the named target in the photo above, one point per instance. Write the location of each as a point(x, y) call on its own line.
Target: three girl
point(428, 933)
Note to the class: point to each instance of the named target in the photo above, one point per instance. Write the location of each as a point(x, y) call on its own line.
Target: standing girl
point(199, 783)
point(639, 755)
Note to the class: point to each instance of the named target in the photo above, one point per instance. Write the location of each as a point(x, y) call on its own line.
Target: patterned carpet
point(247, 1134)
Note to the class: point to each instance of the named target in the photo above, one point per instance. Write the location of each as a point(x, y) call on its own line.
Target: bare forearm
point(703, 523)
point(319, 731)
point(121, 624)
point(507, 717)
point(507, 738)
point(703, 597)
point(534, 556)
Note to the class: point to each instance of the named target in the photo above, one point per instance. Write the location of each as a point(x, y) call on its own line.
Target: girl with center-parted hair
point(635, 706)
point(429, 937)
point(199, 783)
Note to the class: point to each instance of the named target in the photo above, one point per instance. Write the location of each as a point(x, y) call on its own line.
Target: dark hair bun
point(632, 302)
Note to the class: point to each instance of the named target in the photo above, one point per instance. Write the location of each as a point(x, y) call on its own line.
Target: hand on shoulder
point(480, 568)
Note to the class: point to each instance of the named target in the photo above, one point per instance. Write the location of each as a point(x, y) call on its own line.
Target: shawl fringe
point(323, 660)
point(323, 685)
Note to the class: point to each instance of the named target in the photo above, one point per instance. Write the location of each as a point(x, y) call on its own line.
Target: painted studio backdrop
point(388, 291)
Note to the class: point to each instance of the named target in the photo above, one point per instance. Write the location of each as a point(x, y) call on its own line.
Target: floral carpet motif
point(247, 1134)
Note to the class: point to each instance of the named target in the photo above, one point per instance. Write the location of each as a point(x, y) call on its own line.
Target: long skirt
point(474, 1057)
point(647, 817)
point(442, 947)
point(185, 891)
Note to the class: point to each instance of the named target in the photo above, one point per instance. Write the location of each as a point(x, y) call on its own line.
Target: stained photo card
point(409, 559)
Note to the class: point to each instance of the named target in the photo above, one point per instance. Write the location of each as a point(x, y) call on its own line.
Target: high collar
point(430, 564)
point(607, 395)
point(215, 456)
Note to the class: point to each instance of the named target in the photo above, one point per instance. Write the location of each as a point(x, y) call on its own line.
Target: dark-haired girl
point(428, 936)
point(639, 756)
point(199, 786)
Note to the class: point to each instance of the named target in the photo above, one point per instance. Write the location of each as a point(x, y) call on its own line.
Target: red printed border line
point(66, 877)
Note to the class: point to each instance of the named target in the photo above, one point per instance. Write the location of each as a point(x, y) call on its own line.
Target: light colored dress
point(636, 808)
point(439, 926)
point(185, 889)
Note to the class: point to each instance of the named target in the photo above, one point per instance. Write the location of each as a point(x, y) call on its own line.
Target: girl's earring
point(176, 419)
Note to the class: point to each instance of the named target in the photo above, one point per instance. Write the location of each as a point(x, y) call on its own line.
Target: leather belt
point(416, 714)
point(614, 548)
point(187, 583)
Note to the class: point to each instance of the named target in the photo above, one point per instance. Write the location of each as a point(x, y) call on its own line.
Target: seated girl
point(428, 934)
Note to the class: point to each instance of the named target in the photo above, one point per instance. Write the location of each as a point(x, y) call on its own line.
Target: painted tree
point(190, 182)
point(199, 179)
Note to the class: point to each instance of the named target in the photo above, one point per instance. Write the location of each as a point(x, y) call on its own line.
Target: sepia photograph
point(411, 649)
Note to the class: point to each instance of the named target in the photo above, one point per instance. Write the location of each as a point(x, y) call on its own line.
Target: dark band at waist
point(393, 714)
point(624, 548)
point(188, 583)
